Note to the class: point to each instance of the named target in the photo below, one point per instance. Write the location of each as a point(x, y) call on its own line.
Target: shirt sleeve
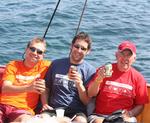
point(10, 72)
point(48, 77)
point(92, 78)
point(44, 67)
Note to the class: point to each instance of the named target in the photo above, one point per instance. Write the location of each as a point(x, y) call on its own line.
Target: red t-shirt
point(123, 90)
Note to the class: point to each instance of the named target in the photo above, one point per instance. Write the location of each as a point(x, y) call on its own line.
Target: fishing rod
point(51, 20)
point(81, 17)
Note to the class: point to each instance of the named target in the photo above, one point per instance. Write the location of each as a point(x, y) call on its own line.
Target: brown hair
point(36, 40)
point(83, 36)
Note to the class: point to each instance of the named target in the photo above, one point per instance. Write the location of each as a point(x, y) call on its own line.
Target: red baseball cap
point(127, 45)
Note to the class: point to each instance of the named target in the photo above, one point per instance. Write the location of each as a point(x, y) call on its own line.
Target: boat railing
point(144, 117)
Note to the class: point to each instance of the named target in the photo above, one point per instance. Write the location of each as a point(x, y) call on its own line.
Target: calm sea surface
point(107, 21)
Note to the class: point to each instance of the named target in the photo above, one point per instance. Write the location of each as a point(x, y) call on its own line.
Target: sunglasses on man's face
point(77, 46)
point(38, 51)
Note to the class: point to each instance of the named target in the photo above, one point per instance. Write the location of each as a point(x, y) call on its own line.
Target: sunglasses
point(38, 51)
point(77, 46)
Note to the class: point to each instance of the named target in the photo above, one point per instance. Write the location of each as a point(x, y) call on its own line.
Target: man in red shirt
point(125, 89)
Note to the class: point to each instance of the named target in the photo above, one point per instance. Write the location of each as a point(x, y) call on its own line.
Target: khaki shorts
point(93, 117)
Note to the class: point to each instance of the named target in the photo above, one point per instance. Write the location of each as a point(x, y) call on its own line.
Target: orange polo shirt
point(20, 75)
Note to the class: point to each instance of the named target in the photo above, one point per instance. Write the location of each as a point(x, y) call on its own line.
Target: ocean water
point(107, 21)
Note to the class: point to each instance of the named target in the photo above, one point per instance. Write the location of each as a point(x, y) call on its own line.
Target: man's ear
point(71, 46)
point(88, 51)
point(134, 58)
point(44, 55)
point(116, 54)
point(25, 50)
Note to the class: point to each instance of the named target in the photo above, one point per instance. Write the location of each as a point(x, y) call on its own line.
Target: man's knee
point(94, 118)
point(23, 118)
point(80, 118)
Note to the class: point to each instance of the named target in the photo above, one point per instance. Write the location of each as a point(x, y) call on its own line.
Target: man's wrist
point(130, 113)
point(98, 81)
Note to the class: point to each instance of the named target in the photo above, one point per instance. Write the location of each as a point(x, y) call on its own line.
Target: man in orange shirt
point(23, 83)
